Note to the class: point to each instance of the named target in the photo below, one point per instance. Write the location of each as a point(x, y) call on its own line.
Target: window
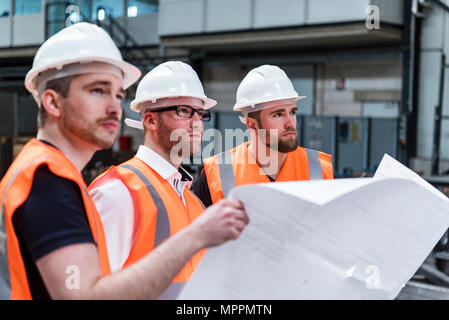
point(105, 8)
point(139, 7)
point(61, 14)
point(55, 17)
point(23, 7)
point(4, 8)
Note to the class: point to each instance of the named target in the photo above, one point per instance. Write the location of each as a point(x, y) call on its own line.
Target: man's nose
point(115, 107)
point(290, 122)
point(197, 124)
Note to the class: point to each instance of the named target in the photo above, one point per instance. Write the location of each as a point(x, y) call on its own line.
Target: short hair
point(61, 86)
point(256, 116)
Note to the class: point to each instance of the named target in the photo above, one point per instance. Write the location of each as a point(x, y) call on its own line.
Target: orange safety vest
point(238, 167)
point(158, 213)
point(14, 190)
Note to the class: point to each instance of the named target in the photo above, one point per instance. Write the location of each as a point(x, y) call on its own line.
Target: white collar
point(164, 168)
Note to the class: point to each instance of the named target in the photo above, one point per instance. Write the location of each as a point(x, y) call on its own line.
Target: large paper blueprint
point(334, 239)
point(391, 168)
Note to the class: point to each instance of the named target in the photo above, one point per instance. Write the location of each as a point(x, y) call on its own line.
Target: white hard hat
point(80, 43)
point(261, 85)
point(170, 79)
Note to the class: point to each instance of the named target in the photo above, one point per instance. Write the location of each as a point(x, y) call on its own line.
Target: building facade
point(370, 68)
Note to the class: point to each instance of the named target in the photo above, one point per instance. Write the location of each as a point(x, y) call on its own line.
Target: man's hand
point(221, 222)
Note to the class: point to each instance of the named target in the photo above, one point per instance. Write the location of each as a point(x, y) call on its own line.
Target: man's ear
point(51, 101)
point(150, 121)
point(251, 123)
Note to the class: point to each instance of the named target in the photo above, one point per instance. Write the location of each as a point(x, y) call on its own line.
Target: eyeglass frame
point(199, 111)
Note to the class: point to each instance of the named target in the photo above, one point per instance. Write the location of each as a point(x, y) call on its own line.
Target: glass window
point(85, 9)
point(139, 7)
point(4, 8)
point(55, 17)
point(61, 14)
point(107, 7)
point(22, 7)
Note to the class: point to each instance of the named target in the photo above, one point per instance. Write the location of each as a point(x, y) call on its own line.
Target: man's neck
point(79, 152)
point(160, 151)
point(269, 160)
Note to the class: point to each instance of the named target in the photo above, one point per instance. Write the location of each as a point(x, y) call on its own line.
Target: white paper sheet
point(391, 168)
point(365, 240)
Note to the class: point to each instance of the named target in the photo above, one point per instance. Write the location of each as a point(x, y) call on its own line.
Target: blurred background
point(374, 73)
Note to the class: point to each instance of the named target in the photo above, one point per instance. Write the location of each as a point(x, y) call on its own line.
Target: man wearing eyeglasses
point(144, 201)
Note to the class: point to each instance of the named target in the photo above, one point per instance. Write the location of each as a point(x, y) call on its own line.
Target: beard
point(185, 146)
point(282, 145)
point(288, 145)
point(87, 131)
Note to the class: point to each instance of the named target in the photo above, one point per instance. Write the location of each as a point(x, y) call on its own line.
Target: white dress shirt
point(115, 205)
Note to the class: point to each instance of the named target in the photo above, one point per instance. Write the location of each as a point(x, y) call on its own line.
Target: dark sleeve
point(201, 189)
point(53, 216)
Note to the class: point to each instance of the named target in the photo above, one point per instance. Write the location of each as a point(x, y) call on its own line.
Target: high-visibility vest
point(14, 190)
point(159, 213)
point(238, 167)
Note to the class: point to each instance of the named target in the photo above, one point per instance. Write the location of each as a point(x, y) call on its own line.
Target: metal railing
point(129, 46)
point(121, 36)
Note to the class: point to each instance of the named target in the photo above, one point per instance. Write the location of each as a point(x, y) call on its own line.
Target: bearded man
point(267, 100)
point(146, 200)
point(52, 242)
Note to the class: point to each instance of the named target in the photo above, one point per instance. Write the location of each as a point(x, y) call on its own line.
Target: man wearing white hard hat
point(267, 100)
point(147, 199)
point(52, 243)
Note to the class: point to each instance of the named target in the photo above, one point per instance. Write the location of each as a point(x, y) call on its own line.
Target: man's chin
point(288, 147)
point(104, 142)
point(285, 146)
point(187, 149)
point(195, 149)
point(103, 145)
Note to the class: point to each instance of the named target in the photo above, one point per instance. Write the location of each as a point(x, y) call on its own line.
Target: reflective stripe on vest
point(315, 169)
point(162, 221)
point(5, 282)
point(159, 213)
point(227, 172)
point(162, 229)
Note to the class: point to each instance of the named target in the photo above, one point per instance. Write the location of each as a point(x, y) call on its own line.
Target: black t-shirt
point(53, 216)
point(201, 189)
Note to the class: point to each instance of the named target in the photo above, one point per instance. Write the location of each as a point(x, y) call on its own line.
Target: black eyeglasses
point(186, 112)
